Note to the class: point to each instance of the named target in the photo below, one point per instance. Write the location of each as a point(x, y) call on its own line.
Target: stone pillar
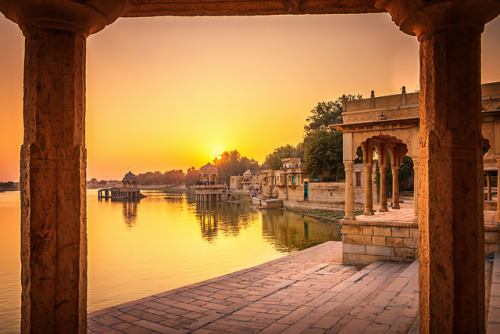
point(488, 185)
point(53, 165)
point(383, 187)
point(395, 187)
point(415, 187)
point(498, 192)
point(450, 180)
point(349, 191)
point(53, 159)
point(368, 189)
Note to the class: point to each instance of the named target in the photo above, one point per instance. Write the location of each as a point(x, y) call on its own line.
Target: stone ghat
point(306, 292)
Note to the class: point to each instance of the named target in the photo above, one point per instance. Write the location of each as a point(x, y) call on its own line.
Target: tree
point(192, 176)
point(326, 113)
point(323, 152)
point(232, 163)
point(323, 146)
point(273, 160)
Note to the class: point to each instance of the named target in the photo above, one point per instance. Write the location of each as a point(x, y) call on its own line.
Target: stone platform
point(306, 292)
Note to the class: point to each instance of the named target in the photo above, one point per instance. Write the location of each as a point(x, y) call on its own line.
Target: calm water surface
point(163, 242)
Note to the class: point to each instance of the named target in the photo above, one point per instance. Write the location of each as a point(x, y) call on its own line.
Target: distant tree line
point(233, 163)
point(172, 177)
point(8, 186)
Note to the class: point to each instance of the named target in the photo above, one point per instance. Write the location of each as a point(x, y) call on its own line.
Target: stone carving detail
point(374, 115)
point(493, 104)
point(53, 157)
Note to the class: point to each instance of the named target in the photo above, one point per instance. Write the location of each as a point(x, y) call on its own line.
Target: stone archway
point(397, 150)
point(53, 161)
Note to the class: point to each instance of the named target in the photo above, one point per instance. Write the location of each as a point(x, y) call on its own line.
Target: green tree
point(323, 146)
point(233, 163)
point(327, 113)
point(273, 160)
point(323, 152)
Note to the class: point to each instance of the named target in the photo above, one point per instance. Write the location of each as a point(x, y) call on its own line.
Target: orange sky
point(172, 92)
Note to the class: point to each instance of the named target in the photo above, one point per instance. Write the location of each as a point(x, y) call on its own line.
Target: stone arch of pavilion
point(387, 123)
point(54, 242)
point(397, 149)
point(392, 123)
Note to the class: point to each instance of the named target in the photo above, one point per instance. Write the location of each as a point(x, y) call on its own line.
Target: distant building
point(128, 190)
point(208, 188)
point(209, 175)
point(249, 181)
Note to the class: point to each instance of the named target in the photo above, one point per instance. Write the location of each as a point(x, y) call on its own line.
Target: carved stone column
point(451, 231)
point(368, 189)
point(498, 192)
point(415, 187)
point(53, 161)
point(395, 187)
point(349, 191)
point(53, 165)
point(383, 188)
point(488, 185)
point(382, 160)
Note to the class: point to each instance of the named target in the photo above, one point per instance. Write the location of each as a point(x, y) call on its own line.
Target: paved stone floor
point(306, 292)
point(407, 214)
point(399, 215)
point(493, 307)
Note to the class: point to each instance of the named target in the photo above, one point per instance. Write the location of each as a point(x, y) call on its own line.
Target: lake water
point(163, 242)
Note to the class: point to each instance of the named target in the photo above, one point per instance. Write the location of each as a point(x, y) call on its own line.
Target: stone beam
point(141, 8)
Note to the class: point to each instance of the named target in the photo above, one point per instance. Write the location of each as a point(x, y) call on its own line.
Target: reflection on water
point(130, 212)
point(228, 219)
point(136, 249)
point(289, 232)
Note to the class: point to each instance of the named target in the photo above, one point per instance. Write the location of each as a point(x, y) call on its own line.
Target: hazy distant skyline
point(173, 92)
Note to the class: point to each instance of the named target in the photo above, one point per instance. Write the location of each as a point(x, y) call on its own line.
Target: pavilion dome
point(247, 173)
point(130, 177)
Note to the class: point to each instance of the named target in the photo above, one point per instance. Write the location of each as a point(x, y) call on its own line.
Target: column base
point(349, 216)
point(396, 206)
point(383, 210)
point(368, 212)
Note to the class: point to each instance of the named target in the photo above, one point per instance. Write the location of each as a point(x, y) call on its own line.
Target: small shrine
point(128, 190)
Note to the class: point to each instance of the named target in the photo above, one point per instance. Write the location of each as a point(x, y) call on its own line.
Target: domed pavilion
point(208, 189)
point(128, 190)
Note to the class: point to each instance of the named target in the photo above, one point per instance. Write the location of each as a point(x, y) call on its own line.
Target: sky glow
point(174, 92)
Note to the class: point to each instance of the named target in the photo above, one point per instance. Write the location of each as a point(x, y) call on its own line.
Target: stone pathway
point(306, 292)
point(493, 325)
point(399, 215)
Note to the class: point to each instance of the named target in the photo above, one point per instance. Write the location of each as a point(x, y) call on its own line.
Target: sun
point(219, 157)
